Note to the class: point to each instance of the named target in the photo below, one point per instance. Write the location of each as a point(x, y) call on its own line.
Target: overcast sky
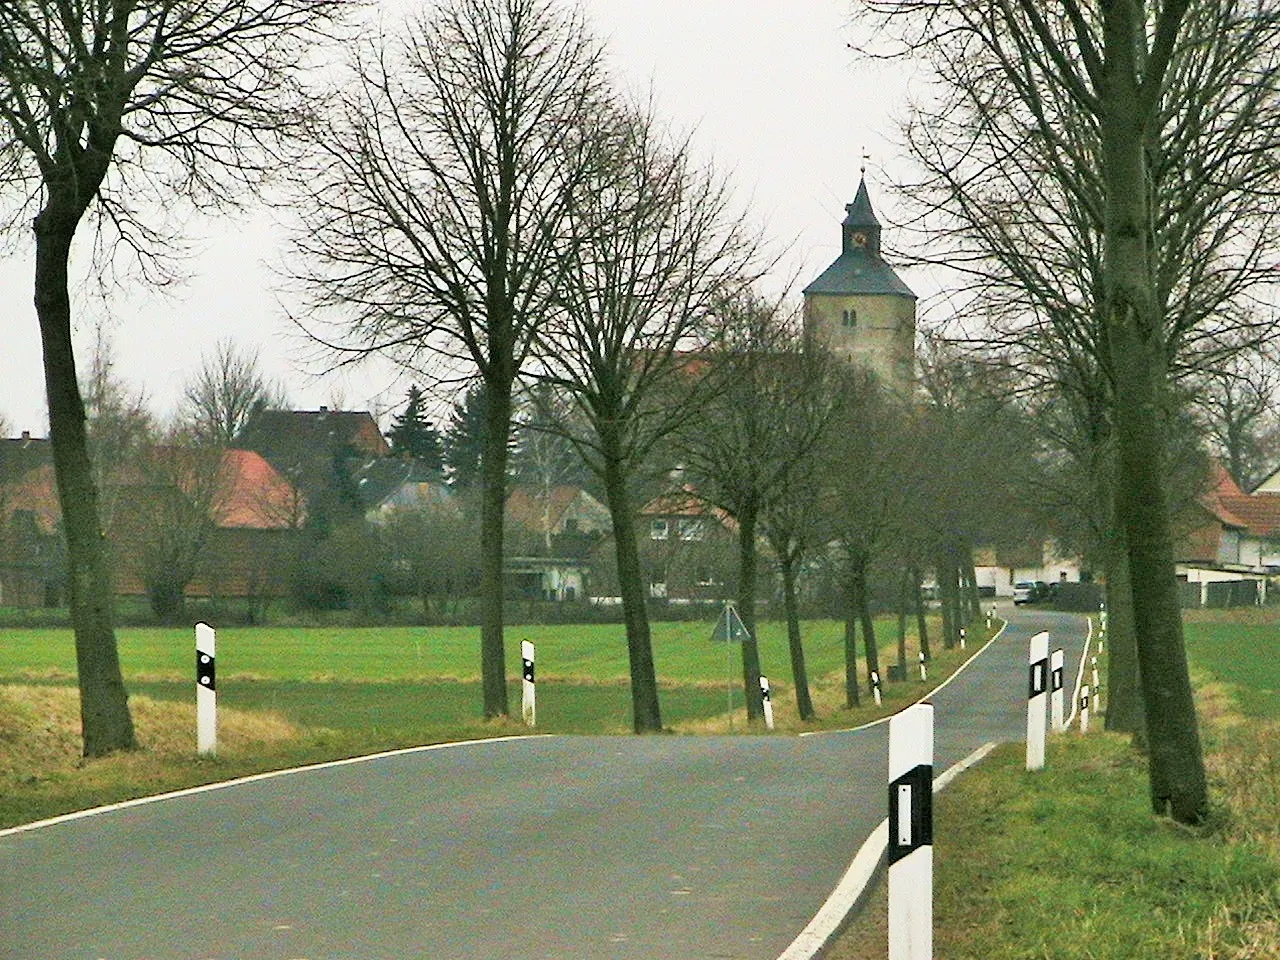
point(771, 90)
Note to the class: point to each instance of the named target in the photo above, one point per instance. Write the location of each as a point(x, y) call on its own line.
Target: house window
point(657, 529)
point(849, 319)
point(692, 529)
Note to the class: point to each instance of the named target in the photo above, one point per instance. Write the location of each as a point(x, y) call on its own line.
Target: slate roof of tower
point(859, 272)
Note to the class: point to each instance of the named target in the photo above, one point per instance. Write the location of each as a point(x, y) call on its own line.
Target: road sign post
point(529, 698)
point(206, 691)
point(1037, 690)
point(910, 850)
point(1056, 662)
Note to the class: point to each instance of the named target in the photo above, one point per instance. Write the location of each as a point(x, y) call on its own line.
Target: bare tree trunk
point(1124, 692)
point(904, 597)
point(922, 625)
point(971, 576)
point(104, 708)
point(946, 598)
point(493, 496)
point(858, 564)
point(646, 714)
point(747, 610)
point(1177, 776)
point(851, 694)
point(799, 674)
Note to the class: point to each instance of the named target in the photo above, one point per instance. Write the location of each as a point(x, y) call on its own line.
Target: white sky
point(771, 90)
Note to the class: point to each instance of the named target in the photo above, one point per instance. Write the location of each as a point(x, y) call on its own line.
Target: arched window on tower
point(849, 319)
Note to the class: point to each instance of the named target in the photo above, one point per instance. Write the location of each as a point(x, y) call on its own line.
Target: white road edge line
point(829, 919)
point(959, 670)
point(1075, 695)
point(268, 775)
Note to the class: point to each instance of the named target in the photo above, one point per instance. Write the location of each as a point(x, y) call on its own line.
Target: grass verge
point(1070, 863)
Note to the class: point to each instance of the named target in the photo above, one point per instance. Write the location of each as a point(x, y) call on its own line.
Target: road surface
point(557, 847)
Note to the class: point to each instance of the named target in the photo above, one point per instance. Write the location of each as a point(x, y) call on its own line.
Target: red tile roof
point(1258, 513)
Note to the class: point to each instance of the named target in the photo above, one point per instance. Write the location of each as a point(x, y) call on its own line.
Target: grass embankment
point(1070, 863)
point(281, 703)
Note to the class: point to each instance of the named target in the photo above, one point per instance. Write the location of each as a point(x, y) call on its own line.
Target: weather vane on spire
point(865, 157)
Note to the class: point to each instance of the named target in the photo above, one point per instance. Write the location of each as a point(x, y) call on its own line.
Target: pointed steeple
point(861, 229)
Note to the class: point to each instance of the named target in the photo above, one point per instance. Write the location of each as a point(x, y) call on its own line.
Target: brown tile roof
point(1258, 513)
point(527, 506)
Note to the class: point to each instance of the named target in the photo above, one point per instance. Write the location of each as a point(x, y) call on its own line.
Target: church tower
point(859, 309)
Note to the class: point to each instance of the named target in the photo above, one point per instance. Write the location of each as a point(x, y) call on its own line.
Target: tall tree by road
point(432, 209)
point(654, 245)
point(106, 106)
point(1154, 128)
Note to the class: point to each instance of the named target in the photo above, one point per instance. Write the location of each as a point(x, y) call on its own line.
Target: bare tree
point(1113, 169)
point(433, 209)
point(755, 435)
point(225, 393)
point(175, 496)
point(118, 425)
point(653, 247)
point(105, 104)
point(1236, 404)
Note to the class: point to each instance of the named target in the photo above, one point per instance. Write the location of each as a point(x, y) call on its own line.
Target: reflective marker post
point(910, 851)
point(206, 692)
point(875, 687)
point(766, 702)
point(1084, 709)
point(1056, 662)
point(924, 674)
point(528, 700)
point(1037, 689)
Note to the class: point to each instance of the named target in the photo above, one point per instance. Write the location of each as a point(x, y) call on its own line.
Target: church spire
point(861, 229)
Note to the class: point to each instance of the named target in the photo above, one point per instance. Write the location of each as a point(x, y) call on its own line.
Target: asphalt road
point(555, 847)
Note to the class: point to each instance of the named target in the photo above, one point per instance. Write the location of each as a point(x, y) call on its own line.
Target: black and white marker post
point(1037, 690)
point(910, 852)
point(528, 702)
point(924, 674)
point(1056, 662)
point(206, 692)
point(767, 702)
point(1084, 709)
point(875, 687)
point(963, 634)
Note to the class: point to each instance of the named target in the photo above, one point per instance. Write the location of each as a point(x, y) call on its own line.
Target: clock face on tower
point(859, 239)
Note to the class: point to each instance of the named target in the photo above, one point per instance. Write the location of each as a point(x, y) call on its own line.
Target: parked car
point(1030, 591)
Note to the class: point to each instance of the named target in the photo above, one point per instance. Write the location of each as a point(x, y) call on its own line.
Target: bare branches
point(438, 182)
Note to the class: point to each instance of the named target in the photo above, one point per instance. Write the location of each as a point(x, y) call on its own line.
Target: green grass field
point(1246, 656)
point(683, 652)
